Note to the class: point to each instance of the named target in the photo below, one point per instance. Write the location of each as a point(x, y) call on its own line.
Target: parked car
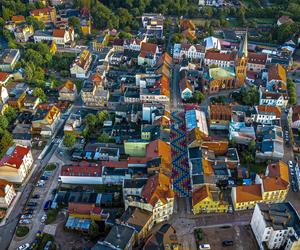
point(24, 246)
point(31, 204)
point(48, 245)
point(204, 246)
point(26, 221)
point(44, 218)
point(47, 205)
point(227, 243)
point(26, 216)
point(44, 178)
point(36, 196)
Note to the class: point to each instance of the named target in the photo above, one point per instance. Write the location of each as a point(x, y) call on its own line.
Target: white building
point(7, 193)
point(188, 51)
point(80, 67)
point(276, 226)
point(59, 36)
point(3, 95)
point(15, 165)
point(266, 114)
point(215, 3)
point(273, 98)
point(196, 119)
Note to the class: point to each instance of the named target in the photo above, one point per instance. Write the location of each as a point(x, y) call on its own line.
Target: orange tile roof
point(148, 48)
point(277, 177)
point(277, 72)
point(69, 85)
point(200, 194)
point(18, 19)
point(207, 167)
point(217, 146)
point(269, 109)
point(158, 187)
point(185, 84)
point(187, 24)
point(58, 33)
point(248, 193)
point(83, 208)
point(159, 148)
point(4, 76)
point(220, 112)
point(37, 12)
point(3, 184)
point(96, 77)
point(272, 184)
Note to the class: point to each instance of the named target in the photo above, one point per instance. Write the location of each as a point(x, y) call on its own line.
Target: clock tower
point(241, 62)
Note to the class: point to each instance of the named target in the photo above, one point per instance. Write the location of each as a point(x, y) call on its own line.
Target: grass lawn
point(51, 216)
point(22, 231)
point(50, 167)
point(262, 20)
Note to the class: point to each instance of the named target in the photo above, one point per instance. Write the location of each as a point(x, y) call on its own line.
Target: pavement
point(45, 195)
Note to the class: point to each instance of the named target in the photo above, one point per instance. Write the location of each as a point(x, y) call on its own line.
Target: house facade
point(7, 193)
point(15, 165)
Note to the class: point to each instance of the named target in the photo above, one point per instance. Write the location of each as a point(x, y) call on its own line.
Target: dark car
point(227, 243)
point(36, 196)
point(47, 205)
point(44, 178)
point(32, 204)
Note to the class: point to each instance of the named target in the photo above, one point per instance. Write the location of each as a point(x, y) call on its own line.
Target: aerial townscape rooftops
point(149, 124)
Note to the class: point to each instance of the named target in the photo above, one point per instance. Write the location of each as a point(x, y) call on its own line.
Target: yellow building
point(272, 187)
point(275, 183)
point(208, 199)
point(47, 14)
point(241, 62)
point(53, 48)
point(86, 26)
point(246, 196)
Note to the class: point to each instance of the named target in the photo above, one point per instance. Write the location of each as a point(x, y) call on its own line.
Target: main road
point(8, 229)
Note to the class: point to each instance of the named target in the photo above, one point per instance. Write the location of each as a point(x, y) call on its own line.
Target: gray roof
point(119, 236)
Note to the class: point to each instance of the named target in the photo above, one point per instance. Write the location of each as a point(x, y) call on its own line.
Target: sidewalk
point(11, 207)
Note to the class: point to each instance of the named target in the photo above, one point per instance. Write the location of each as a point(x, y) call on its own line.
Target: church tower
point(241, 62)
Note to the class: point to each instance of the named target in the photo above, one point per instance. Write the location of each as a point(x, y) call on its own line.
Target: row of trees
point(5, 121)
point(292, 92)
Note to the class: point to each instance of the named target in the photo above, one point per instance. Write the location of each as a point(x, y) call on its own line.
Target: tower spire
point(243, 49)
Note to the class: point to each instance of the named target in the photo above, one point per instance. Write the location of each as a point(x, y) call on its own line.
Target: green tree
point(37, 25)
point(101, 116)
point(199, 96)
point(91, 120)
point(10, 114)
point(6, 141)
point(39, 92)
point(252, 146)
point(3, 122)
point(69, 140)
point(104, 137)
point(94, 230)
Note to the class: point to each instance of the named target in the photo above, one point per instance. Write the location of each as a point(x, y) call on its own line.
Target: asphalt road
point(7, 230)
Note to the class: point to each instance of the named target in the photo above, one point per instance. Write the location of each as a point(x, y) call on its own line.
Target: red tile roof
point(83, 208)
point(220, 56)
point(83, 169)
point(256, 58)
point(15, 158)
point(277, 72)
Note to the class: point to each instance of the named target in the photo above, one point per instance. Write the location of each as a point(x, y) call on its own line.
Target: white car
point(44, 217)
point(24, 221)
point(26, 216)
point(23, 247)
point(204, 246)
point(291, 164)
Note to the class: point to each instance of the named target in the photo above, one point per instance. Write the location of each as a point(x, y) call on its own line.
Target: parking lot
point(214, 236)
point(293, 176)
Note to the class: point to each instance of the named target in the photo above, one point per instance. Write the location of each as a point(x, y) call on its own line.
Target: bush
point(50, 167)
point(22, 231)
